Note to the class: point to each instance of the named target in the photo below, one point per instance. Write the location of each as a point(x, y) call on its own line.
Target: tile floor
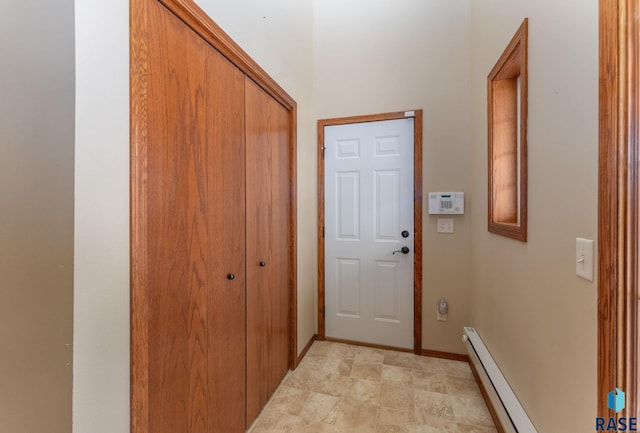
point(339, 388)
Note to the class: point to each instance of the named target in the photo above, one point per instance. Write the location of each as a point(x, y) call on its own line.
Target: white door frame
point(417, 211)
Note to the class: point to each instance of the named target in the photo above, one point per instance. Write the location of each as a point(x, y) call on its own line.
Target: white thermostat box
point(446, 202)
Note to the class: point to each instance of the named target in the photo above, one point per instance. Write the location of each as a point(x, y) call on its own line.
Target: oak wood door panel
point(195, 187)
point(268, 258)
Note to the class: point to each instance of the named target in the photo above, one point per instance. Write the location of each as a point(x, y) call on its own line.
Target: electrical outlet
point(442, 317)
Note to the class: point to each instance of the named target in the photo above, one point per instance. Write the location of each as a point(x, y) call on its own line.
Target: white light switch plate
point(445, 225)
point(584, 258)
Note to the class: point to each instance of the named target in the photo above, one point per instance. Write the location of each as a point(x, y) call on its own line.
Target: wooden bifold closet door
point(268, 267)
point(212, 230)
point(195, 213)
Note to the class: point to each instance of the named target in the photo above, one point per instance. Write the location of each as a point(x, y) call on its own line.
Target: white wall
point(101, 307)
point(390, 55)
point(537, 318)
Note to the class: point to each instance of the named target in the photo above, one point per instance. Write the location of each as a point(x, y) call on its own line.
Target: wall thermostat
point(446, 202)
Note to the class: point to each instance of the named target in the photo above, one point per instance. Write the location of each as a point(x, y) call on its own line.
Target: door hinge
point(323, 149)
point(323, 231)
point(324, 308)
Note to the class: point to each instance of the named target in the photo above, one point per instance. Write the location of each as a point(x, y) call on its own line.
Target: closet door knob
point(263, 264)
point(231, 277)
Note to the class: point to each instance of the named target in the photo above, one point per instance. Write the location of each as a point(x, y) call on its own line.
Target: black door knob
point(263, 264)
point(231, 277)
point(405, 234)
point(403, 250)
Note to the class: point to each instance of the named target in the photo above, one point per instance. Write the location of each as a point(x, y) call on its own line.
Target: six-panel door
point(368, 205)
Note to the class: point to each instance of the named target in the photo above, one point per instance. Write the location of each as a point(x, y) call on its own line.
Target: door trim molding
point(417, 215)
point(619, 147)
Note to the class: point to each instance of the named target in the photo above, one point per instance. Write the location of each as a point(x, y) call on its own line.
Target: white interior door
point(368, 205)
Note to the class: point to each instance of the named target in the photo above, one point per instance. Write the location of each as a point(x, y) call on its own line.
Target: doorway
point(370, 230)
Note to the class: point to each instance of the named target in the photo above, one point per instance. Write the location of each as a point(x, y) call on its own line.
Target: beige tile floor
point(339, 388)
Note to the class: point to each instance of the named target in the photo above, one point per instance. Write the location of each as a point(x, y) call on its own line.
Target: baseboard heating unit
point(506, 406)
